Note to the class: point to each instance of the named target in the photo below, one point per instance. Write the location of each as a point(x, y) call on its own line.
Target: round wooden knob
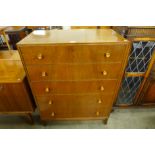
point(18, 79)
point(40, 56)
point(99, 101)
point(47, 90)
point(52, 114)
point(102, 88)
point(104, 73)
point(50, 102)
point(97, 113)
point(43, 74)
point(107, 55)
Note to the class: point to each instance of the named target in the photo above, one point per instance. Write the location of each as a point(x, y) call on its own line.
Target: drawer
point(73, 87)
point(74, 72)
point(74, 106)
point(73, 54)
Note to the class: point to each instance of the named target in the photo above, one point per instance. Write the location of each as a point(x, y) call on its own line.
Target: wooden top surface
point(11, 68)
point(9, 55)
point(83, 36)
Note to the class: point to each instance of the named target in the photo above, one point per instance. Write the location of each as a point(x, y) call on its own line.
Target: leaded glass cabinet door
point(138, 63)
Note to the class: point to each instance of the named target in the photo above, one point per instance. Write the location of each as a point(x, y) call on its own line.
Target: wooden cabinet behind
point(147, 95)
point(14, 98)
point(15, 94)
point(74, 74)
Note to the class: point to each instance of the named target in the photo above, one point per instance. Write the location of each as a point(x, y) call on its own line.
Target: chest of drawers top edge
point(64, 37)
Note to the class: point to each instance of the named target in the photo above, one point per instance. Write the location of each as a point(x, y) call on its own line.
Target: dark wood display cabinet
point(138, 81)
point(147, 94)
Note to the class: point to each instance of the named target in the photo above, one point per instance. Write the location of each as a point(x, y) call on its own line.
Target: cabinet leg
point(30, 118)
point(105, 121)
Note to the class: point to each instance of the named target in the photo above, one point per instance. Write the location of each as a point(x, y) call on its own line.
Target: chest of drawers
point(15, 95)
point(74, 74)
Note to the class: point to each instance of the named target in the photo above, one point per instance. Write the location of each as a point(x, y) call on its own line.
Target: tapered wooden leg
point(30, 118)
point(105, 121)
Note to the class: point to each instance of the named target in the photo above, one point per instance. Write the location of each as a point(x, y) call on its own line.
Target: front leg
point(105, 121)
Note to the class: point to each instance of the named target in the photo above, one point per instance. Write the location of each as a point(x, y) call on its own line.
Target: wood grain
point(11, 68)
point(85, 36)
point(61, 72)
point(15, 94)
point(74, 87)
point(74, 106)
point(15, 98)
point(72, 54)
point(74, 74)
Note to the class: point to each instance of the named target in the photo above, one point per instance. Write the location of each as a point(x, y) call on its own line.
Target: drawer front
point(73, 54)
point(74, 106)
point(74, 72)
point(102, 86)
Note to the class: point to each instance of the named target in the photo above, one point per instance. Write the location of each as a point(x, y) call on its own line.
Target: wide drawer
point(75, 106)
point(74, 72)
point(73, 87)
point(73, 54)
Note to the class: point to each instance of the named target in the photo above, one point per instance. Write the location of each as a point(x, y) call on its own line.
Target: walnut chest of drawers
point(74, 74)
point(15, 95)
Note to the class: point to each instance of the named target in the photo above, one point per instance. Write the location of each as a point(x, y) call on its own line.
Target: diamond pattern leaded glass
point(138, 61)
point(140, 56)
point(128, 89)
